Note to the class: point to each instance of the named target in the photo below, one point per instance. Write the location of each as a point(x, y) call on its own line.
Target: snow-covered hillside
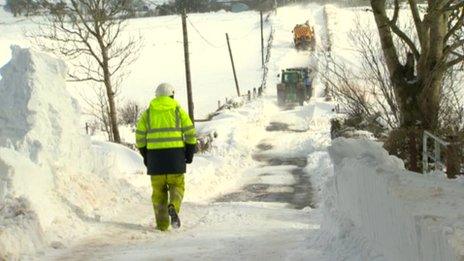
point(161, 58)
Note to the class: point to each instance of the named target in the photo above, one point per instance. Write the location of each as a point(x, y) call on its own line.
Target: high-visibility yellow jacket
point(166, 138)
point(164, 125)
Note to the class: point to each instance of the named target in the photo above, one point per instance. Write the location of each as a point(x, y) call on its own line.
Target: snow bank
point(393, 214)
point(51, 179)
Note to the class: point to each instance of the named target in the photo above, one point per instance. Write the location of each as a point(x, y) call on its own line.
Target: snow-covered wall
point(392, 213)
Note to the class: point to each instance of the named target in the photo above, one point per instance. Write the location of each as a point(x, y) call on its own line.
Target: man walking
point(166, 139)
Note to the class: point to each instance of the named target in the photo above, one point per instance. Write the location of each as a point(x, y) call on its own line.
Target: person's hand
point(143, 152)
point(189, 151)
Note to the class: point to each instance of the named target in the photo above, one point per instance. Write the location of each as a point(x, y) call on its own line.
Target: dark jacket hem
point(166, 161)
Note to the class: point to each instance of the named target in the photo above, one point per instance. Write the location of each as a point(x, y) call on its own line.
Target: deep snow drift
point(50, 177)
point(391, 213)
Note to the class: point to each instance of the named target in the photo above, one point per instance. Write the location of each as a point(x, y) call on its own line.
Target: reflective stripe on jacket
point(164, 125)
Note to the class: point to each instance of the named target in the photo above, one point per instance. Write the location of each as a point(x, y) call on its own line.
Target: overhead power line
point(254, 28)
point(202, 37)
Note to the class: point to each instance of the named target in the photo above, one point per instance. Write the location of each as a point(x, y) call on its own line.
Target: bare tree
point(99, 110)
point(89, 33)
point(418, 80)
point(130, 113)
point(364, 90)
point(367, 94)
point(19, 7)
point(432, 49)
point(451, 115)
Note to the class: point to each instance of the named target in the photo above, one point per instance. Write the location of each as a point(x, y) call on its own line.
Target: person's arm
point(141, 137)
point(189, 133)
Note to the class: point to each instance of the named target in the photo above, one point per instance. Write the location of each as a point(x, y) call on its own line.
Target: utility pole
point(262, 39)
point(187, 66)
point(233, 65)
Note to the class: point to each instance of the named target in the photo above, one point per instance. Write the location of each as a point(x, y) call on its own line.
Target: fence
point(438, 146)
point(442, 155)
point(267, 59)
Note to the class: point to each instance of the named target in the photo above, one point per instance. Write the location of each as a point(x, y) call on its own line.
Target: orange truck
point(303, 37)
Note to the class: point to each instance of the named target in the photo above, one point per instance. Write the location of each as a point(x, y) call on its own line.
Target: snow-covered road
point(268, 218)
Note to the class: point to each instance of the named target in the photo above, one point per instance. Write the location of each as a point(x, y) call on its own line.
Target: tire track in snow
point(297, 192)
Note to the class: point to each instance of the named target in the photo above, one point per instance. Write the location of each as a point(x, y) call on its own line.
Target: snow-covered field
point(161, 58)
point(266, 190)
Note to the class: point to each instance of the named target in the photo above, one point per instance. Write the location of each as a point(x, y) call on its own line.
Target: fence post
point(254, 92)
point(233, 65)
point(219, 104)
point(425, 154)
point(262, 38)
point(188, 74)
point(413, 149)
point(249, 95)
point(437, 153)
point(453, 159)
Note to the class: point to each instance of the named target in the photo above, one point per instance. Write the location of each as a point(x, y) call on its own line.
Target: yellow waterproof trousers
point(167, 189)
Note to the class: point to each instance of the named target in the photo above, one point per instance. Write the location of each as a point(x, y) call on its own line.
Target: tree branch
point(386, 39)
point(450, 7)
point(417, 20)
point(456, 61)
point(402, 35)
point(457, 26)
point(451, 48)
point(396, 12)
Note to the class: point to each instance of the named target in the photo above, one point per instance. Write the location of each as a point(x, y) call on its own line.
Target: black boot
point(175, 221)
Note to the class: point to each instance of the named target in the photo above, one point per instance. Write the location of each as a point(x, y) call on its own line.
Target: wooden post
point(187, 66)
point(262, 39)
point(233, 65)
point(453, 158)
point(413, 149)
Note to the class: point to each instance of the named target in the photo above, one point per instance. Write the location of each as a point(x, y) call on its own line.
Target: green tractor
point(295, 86)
